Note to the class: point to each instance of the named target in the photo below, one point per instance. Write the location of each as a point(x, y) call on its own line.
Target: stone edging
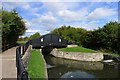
point(46, 75)
point(26, 57)
point(78, 56)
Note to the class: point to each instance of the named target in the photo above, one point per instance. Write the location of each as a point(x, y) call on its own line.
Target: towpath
point(8, 64)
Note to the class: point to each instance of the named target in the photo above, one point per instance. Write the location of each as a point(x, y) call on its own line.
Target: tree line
point(29, 38)
point(106, 38)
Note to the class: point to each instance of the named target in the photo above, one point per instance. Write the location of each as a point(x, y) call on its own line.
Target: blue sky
point(44, 17)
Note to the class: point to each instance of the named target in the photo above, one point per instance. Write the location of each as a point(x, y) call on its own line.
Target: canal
point(62, 68)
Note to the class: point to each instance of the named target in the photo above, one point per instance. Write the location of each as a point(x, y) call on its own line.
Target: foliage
point(106, 38)
point(12, 26)
point(28, 38)
point(36, 65)
point(23, 39)
point(71, 34)
point(35, 35)
point(21, 42)
point(78, 49)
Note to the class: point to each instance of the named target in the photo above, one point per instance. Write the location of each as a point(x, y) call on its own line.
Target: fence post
point(16, 58)
point(23, 49)
point(19, 49)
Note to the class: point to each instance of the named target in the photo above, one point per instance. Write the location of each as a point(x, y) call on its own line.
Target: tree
point(109, 36)
point(12, 27)
point(35, 35)
point(103, 38)
point(71, 34)
point(118, 45)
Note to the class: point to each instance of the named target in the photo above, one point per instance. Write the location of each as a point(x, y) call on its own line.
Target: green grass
point(78, 49)
point(36, 66)
point(112, 54)
point(21, 42)
point(85, 50)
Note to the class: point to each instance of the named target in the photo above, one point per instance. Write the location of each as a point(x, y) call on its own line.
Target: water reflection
point(77, 74)
point(63, 68)
point(77, 64)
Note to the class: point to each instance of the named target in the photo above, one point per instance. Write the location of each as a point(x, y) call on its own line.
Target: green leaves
point(35, 35)
point(71, 34)
point(12, 26)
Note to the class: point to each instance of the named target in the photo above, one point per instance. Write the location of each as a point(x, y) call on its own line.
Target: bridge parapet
point(49, 40)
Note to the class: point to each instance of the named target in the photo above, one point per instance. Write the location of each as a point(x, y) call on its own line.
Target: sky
point(44, 17)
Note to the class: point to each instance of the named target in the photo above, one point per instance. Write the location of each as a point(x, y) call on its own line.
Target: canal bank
point(77, 55)
point(62, 64)
point(63, 68)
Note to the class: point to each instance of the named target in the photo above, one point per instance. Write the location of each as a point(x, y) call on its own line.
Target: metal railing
point(7, 46)
point(22, 73)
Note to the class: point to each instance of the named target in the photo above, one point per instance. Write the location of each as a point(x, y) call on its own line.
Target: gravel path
point(8, 64)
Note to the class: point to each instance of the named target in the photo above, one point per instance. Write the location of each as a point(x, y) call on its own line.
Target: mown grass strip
point(36, 66)
point(78, 49)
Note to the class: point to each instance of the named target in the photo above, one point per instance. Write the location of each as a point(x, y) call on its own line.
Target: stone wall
point(78, 56)
point(86, 65)
point(26, 57)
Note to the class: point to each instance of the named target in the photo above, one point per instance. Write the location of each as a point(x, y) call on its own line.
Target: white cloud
point(13, 5)
point(48, 19)
point(70, 16)
point(100, 13)
point(88, 26)
point(82, 15)
point(32, 31)
point(56, 6)
point(91, 25)
point(44, 19)
point(60, 0)
point(29, 23)
point(46, 22)
point(26, 6)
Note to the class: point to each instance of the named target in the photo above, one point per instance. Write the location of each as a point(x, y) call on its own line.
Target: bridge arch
point(48, 42)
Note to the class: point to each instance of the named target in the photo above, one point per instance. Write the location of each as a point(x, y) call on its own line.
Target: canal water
point(63, 68)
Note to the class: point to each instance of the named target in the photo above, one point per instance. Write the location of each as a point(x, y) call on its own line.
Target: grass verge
point(85, 50)
point(112, 54)
point(36, 66)
point(78, 49)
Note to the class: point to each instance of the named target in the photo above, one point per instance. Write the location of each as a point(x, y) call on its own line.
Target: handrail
point(22, 73)
point(7, 46)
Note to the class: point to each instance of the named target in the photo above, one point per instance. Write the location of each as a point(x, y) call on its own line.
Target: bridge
point(48, 40)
